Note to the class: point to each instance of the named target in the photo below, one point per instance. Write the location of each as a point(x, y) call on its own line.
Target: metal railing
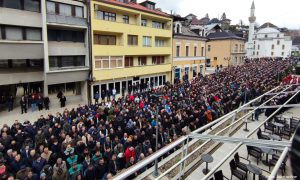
point(250, 134)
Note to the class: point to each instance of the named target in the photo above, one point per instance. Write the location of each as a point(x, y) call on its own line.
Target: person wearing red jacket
point(129, 152)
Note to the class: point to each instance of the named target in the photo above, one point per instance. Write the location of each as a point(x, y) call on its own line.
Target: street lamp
point(157, 96)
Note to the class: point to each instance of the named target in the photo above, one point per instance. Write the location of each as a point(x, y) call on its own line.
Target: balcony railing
point(68, 20)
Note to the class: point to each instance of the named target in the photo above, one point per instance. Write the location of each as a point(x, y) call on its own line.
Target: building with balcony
point(131, 45)
point(66, 48)
point(44, 48)
point(188, 51)
point(225, 48)
point(21, 46)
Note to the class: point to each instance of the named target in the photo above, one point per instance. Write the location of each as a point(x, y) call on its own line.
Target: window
point(195, 51)
point(102, 62)
point(177, 51)
point(66, 61)
point(158, 25)
point(32, 5)
point(254, 47)
point(257, 53)
point(236, 48)
point(278, 35)
point(187, 50)
point(208, 48)
point(282, 54)
point(144, 22)
point(254, 42)
point(272, 53)
point(258, 47)
point(142, 60)
point(116, 62)
point(33, 34)
point(215, 58)
point(128, 61)
point(125, 19)
point(159, 43)
point(78, 11)
point(14, 4)
point(51, 7)
point(202, 51)
point(108, 16)
point(65, 35)
point(132, 40)
point(13, 33)
point(253, 53)
point(106, 62)
point(147, 41)
point(278, 42)
point(151, 6)
point(283, 46)
point(158, 59)
point(266, 36)
point(104, 39)
point(4, 64)
point(65, 9)
point(273, 46)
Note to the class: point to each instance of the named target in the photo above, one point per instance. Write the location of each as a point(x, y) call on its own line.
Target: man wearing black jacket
point(23, 103)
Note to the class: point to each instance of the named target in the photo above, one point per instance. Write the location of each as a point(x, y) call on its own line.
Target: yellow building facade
point(131, 45)
point(188, 53)
point(226, 49)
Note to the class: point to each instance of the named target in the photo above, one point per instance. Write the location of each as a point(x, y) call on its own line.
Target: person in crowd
point(96, 97)
point(63, 100)
point(46, 103)
point(23, 103)
point(98, 140)
point(33, 102)
point(10, 103)
point(40, 102)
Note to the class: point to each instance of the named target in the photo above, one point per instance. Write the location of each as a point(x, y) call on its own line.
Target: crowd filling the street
point(99, 140)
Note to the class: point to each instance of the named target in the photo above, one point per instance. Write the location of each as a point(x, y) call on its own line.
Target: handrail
point(245, 116)
point(278, 164)
point(225, 159)
point(167, 148)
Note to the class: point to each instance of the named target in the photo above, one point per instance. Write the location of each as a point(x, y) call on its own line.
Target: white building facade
point(266, 41)
point(269, 42)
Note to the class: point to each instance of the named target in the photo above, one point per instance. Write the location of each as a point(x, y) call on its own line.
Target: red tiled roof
point(135, 6)
point(196, 21)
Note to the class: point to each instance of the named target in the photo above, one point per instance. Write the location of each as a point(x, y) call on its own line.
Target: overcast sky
point(283, 13)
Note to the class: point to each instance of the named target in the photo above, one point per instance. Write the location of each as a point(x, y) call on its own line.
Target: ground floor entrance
point(128, 85)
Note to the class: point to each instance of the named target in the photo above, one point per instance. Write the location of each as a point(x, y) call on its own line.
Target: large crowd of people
point(97, 141)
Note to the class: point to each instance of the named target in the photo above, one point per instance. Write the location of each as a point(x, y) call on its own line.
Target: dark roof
point(187, 32)
point(296, 41)
point(268, 24)
point(213, 21)
point(223, 35)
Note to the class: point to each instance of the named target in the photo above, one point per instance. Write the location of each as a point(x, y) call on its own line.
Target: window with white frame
point(116, 62)
point(195, 50)
point(106, 62)
point(177, 50)
point(158, 25)
point(147, 41)
point(102, 62)
point(159, 42)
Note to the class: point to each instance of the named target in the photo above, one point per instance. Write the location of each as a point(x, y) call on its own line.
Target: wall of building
point(122, 30)
point(225, 49)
